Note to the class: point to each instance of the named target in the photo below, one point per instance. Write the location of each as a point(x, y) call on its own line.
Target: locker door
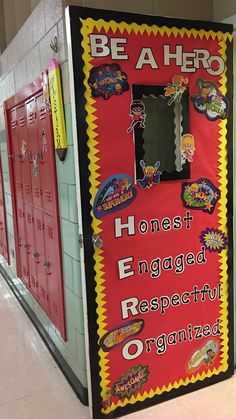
point(35, 151)
point(52, 266)
point(39, 258)
point(15, 151)
point(21, 241)
point(47, 163)
point(23, 155)
point(29, 247)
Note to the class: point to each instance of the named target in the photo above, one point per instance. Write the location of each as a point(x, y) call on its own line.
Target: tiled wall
point(25, 58)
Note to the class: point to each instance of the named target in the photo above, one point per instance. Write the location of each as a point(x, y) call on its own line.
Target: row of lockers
point(35, 204)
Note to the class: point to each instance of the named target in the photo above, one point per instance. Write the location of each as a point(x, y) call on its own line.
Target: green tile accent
point(68, 119)
point(77, 278)
point(43, 318)
point(74, 310)
point(70, 238)
point(73, 208)
point(63, 200)
point(28, 298)
point(66, 169)
point(4, 156)
point(6, 181)
point(60, 344)
point(72, 340)
point(8, 203)
point(68, 271)
point(81, 351)
point(77, 370)
point(3, 139)
point(10, 227)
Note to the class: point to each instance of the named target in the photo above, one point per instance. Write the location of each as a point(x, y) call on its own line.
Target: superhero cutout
point(151, 175)
point(210, 101)
point(108, 80)
point(187, 147)
point(137, 114)
point(209, 358)
point(175, 89)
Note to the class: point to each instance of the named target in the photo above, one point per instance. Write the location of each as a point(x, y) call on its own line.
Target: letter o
point(221, 63)
point(143, 226)
point(139, 349)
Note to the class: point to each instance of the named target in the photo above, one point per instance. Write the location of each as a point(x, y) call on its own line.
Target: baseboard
point(79, 389)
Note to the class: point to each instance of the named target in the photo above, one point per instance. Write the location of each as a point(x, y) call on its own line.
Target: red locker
point(24, 153)
point(39, 258)
point(52, 269)
point(46, 163)
point(35, 201)
point(35, 151)
point(21, 242)
point(15, 150)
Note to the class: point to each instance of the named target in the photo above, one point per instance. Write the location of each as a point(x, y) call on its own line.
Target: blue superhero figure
point(151, 175)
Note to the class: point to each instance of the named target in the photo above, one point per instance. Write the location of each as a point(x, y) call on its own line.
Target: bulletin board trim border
point(75, 13)
point(88, 25)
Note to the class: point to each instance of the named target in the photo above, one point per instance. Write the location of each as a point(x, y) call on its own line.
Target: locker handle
point(27, 246)
point(46, 264)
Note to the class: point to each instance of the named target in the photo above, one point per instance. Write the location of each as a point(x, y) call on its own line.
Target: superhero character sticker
point(187, 148)
point(203, 356)
point(210, 101)
point(121, 334)
point(151, 175)
point(137, 114)
point(23, 150)
point(108, 80)
point(116, 193)
point(213, 239)
point(175, 89)
point(200, 195)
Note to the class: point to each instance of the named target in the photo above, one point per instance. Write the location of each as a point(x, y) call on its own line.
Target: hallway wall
point(222, 10)
point(25, 58)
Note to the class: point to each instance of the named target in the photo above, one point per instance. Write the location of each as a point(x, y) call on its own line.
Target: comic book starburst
point(213, 239)
point(131, 381)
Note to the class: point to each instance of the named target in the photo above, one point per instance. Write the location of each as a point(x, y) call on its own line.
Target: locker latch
point(46, 266)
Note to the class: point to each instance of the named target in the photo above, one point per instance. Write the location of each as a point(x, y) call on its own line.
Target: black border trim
point(80, 391)
point(129, 17)
point(74, 15)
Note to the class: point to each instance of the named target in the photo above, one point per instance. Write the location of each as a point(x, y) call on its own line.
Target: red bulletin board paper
point(176, 331)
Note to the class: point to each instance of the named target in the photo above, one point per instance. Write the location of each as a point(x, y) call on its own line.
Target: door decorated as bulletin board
point(153, 107)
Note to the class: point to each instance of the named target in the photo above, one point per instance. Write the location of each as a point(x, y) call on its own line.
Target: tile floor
point(33, 387)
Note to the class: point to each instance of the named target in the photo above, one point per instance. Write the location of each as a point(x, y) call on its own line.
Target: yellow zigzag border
point(96, 224)
point(88, 25)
